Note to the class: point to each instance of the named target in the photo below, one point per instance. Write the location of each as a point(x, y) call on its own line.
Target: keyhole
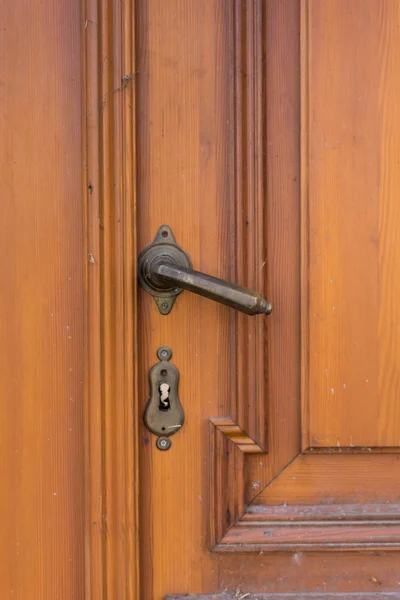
point(164, 396)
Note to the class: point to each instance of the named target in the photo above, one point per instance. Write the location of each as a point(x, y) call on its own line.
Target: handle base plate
point(163, 246)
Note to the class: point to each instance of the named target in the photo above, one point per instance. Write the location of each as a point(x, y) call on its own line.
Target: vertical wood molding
point(245, 430)
point(311, 505)
point(228, 445)
point(249, 409)
point(305, 251)
point(294, 596)
point(111, 426)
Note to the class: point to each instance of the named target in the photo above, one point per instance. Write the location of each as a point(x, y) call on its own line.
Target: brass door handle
point(165, 270)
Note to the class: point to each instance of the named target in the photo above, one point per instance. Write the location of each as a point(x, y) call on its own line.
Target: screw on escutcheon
point(164, 353)
point(163, 443)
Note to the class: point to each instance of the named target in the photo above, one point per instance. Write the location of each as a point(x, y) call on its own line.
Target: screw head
point(164, 353)
point(163, 443)
point(164, 306)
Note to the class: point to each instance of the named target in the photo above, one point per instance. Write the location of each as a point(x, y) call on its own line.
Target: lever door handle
point(165, 270)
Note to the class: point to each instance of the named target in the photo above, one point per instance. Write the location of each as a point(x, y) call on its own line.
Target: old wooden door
point(266, 134)
point(268, 139)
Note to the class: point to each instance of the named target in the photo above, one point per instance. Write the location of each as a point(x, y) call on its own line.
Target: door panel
point(351, 250)
point(183, 137)
point(356, 486)
point(311, 225)
point(41, 302)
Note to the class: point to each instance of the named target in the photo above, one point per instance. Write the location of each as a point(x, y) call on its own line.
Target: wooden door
point(265, 133)
point(268, 140)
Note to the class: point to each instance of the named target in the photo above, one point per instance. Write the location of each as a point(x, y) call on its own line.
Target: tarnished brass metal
point(163, 415)
point(165, 271)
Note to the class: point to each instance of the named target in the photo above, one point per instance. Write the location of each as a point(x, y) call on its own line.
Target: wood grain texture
point(228, 445)
point(277, 26)
point(111, 413)
point(282, 213)
point(321, 537)
point(227, 502)
point(41, 302)
point(388, 381)
point(249, 400)
point(350, 209)
point(350, 596)
point(322, 512)
point(236, 435)
point(311, 528)
point(187, 102)
point(301, 509)
point(242, 222)
point(183, 154)
point(335, 478)
point(304, 574)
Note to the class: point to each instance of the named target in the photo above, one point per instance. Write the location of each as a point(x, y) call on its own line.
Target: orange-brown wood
point(183, 99)
point(41, 302)
point(357, 478)
point(171, 169)
point(247, 216)
point(273, 157)
point(352, 252)
point(341, 479)
point(280, 70)
point(272, 596)
point(313, 573)
point(111, 412)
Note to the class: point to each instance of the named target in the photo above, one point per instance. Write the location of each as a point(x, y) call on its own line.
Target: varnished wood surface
point(247, 215)
point(307, 528)
point(313, 573)
point(302, 511)
point(356, 596)
point(282, 214)
point(41, 302)
point(349, 529)
point(351, 347)
point(201, 102)
point(185, 123)
point(321, 512)
point(339, 478)
point(189, 129)
point(184, 83)
point(111, 413)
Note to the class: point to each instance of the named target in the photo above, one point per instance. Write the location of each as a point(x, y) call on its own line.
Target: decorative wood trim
point(315, 528)
point(306, 596)
point(236, 435)
point(305, 218)
point(289, 528)
point(248, 407)
point(334, 513)
point(111, 426)
point(352, 450)
point(227, 487)
point(278, 528)
point(271, 525)
point(246, 431)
